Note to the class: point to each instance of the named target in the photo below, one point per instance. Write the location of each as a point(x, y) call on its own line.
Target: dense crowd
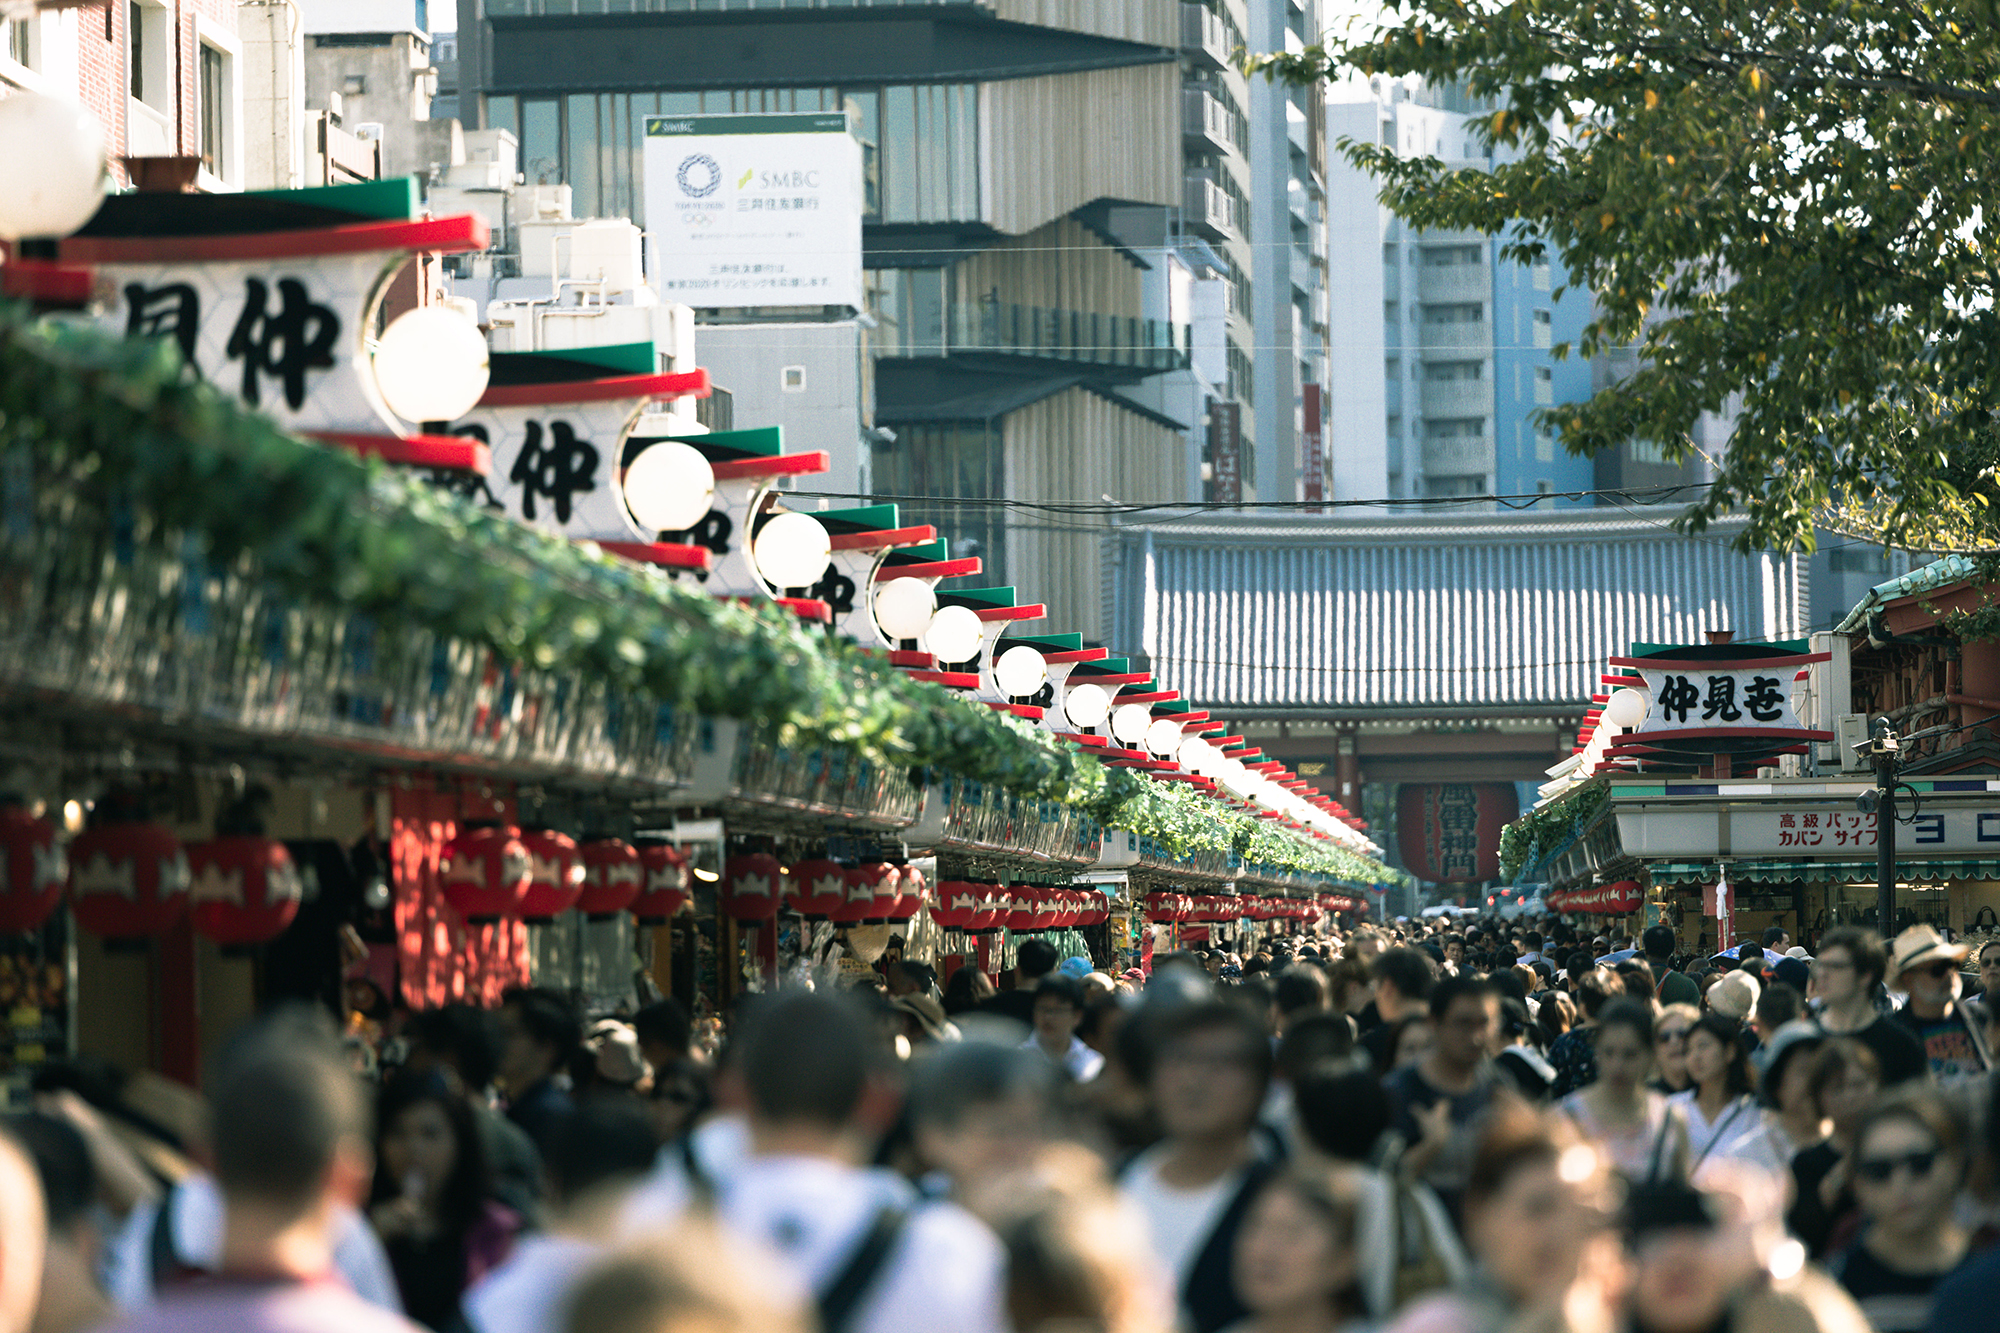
point(1440, 1127)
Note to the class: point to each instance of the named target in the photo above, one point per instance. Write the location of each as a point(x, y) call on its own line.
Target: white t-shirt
point(197, 1227)
point(721, 1146)
point(1079, 1060)
point(945, 1270)
point(1178, 1220)
point(526, 1293)
point(1736, 1134)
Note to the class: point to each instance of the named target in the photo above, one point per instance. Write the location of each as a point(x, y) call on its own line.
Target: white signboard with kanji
point(1694, 697)
point(755, 210)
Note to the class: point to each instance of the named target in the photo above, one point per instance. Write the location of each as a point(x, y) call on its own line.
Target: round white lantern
point(904, 607)
point(1627, 707)
point(431, 364)
point(57, 148)
point(1163, 737)
point(1129, 723)
point(792, 551)
point(1086, 705)
point(670, 487)
point(1020, 671)
point(955, 634)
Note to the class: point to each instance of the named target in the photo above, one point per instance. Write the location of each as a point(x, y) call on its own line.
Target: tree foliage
point(1778, 203)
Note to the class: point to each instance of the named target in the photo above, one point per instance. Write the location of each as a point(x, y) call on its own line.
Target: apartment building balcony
point(1296, 129)
point(1209, 210)
point(1474, 336)
point(1454, 282)
point(1307, 276)
point(1392, 282)
point(1204, 38)
point(1392, 396)
point(1077, 337)
point(1458, 398)
point(1206, 123)
point(1458, 457)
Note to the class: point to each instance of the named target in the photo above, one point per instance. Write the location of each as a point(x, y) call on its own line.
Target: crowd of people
point(1437, 1127)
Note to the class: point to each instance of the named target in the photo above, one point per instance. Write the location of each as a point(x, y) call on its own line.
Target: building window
point(793, 379)
point(1545, 386)
point(1542, 277)
point(1392, 368)
point(1455, 428)
point(1545, 445)
point(21, 42)
point(1448, 256)
point(152, 57)
point(1473, 484)
point(1470, 312)
point(1454, 370)
point(1545, 487)
point(1544, 326)
point(214, 110)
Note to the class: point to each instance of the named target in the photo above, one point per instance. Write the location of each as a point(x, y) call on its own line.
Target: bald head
point(23, 1235)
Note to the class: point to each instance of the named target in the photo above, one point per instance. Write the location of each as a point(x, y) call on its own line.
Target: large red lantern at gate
point(612, 876)
point(818, 891)
point(555, 874)
point(663, 882)
point(751, 885)
point(128, 879)
point(484, 873)
point(244, 888)
point(32, 869)
point(1450, 831)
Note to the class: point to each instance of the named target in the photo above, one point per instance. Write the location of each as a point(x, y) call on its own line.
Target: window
point(1542, 277)
point(1545, 487)
point(152, 57)
point(1394, 427)
point(214, 106)
point(136, 25)
point(1544, 327)
point(1545, 445)
point(1454, 370)
point(354, 85)
point(21, 42)
point(1455, 428)
point(1474, 484)
point(1448, 256)
point(1545, 386)
point(793, 379)
point(1392, 368)
point(1470, 312)
point(1389, 253)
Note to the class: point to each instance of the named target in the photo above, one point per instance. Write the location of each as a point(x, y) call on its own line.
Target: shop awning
point(1821, 872)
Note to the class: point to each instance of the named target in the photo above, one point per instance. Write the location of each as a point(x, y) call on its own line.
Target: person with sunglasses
point(1926, 967)
point(1910, 1159)
point(1670, 1034)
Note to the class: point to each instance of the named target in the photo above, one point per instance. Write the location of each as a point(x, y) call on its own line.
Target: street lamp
point(1884, 752)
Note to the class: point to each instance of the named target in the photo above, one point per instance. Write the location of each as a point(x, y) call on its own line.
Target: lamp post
point(1884, 752)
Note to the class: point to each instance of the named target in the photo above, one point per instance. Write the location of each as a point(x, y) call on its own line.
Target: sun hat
point(1734, 995)
point(1921, 944)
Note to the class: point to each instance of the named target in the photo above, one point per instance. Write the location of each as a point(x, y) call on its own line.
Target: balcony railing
point(1082, 336)
point(1210, 210)
point(1206, 122)
point(1204, 37)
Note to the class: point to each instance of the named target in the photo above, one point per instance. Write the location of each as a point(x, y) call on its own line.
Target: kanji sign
point(1451, 831)
point(1694, 697)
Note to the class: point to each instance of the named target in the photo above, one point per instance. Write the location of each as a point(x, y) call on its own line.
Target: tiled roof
point(1926, 578)
point(1495, 615)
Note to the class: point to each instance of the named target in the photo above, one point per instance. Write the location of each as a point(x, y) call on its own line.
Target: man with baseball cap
point(1925, 966)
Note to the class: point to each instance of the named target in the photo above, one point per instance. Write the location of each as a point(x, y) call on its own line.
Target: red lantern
point(860, 904)
point(244, 888)
point(1096, 909)
point(127, 880)
point(819, 890)
point(1021, 912)
point(32, 869)
point(484, 872)
point(751, 885)
point(1162, 907)
point(612, 876)
point(882, 883)
point(555, 874)
point(663, 882)
point(1071, 910)
point(989, 909)
point(912, 895)
point(957, 903)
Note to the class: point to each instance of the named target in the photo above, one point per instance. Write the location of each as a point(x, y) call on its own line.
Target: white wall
point(368, 16)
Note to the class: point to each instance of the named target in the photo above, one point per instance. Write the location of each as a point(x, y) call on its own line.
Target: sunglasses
point(1879, 1170)
point(1938, 970)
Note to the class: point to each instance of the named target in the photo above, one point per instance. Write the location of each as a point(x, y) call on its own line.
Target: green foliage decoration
point(1784, 210)
point(1548, 827)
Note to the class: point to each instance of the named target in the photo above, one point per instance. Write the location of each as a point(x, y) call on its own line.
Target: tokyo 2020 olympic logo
point(699, 175)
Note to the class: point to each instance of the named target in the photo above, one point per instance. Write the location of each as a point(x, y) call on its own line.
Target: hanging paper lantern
point(818, 890)
point(484, 873)
point(912, 894)
point(1096, 909)
point(663, 882)
point(555, 874)
point(957, 903)
point(244, 888)
point(1069, 908)
point(612, 876)
point(32, 869)
point(750, 887)
point(989, 909)
point(128, 879)
point(1022, 910)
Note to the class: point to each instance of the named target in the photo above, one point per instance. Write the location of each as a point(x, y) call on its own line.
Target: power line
point(1196, 508)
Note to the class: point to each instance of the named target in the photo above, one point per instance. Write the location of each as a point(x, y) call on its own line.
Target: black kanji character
point(1721, 701)
point(468, 485)
point(1763, 698)
point(1677, 695)
point(172, 311)
point(713, 532)
point(298, 338)
point(836, 590)
point(567, 466)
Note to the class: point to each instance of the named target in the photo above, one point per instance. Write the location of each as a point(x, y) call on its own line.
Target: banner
point(1313, 447)
point(1225, 451)
point(1607, 899)
point(1450, 831)
point(755, 210)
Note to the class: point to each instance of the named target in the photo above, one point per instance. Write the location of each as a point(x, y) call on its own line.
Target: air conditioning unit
point(1850, 730)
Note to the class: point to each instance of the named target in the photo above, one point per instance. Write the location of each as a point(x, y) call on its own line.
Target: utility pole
point(1883, 750)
